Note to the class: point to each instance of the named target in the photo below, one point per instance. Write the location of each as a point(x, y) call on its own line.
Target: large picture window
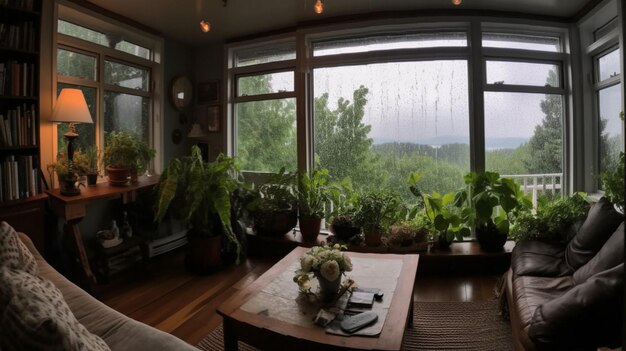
point(379, 106)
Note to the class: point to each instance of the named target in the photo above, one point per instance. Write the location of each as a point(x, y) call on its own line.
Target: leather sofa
point(119, 332)
point(570, 297)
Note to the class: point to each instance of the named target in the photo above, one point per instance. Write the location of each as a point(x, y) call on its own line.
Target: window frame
point(474, 53)
point(75, 14)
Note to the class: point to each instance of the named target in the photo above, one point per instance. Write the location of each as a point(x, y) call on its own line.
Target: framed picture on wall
point(209, 92)
point(213, 118)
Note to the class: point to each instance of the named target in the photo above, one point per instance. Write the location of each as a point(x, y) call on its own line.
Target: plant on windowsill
point(490, 204)
point(554, 221)
point(613, 183)
point(313, 199)
point(436, 216)
point(80, 165)
point(376, 212)
point(120, 154)
point(274, 209)
point(342, 218)
point(93, 156)
point(199, 194)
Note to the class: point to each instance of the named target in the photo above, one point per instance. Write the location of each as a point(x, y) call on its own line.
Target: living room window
point(391, 100)
point(116, 76)
point(265, 107)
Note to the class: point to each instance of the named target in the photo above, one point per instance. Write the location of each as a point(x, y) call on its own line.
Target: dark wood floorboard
point(169, 298)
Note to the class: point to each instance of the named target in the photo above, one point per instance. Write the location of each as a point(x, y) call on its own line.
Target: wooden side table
point(72, 209)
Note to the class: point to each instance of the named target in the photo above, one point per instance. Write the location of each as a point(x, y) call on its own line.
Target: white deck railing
point(535, 183)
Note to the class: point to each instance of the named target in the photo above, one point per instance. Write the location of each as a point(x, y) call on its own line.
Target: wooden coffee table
point(274, 327)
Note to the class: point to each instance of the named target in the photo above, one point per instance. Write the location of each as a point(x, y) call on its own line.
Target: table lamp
point(71, 108)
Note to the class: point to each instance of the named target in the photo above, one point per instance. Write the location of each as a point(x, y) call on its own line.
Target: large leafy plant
point(199, 194)
point(490, 201)
point(277, 194)
point(377, 210)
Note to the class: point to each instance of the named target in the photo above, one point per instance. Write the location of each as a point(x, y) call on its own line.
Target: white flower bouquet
point(327, 262)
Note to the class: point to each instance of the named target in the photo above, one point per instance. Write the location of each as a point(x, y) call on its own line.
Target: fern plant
point(199, 194)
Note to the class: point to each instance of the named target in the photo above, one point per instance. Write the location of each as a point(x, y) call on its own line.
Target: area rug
point(437, 326)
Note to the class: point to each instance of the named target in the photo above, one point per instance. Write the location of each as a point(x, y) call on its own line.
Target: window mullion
point(477, 78)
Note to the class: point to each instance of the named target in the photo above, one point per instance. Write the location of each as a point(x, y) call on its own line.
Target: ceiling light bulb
point(205, 26)
point(456, 2)
point(318, 7)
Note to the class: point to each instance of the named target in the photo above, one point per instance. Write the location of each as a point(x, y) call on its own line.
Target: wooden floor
point(171, 299)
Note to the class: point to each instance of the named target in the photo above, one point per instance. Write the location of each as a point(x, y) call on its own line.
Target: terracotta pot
point(117, 176)
point(310, 227)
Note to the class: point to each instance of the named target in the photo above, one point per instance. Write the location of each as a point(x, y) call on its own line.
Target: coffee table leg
point(410, 321)
point(230, 341)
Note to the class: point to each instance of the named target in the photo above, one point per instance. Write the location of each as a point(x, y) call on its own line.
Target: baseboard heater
point(166, 244)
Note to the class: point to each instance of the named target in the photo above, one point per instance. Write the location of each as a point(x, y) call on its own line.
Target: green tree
point(546, 144)
point(341, 138)
point(266, 130)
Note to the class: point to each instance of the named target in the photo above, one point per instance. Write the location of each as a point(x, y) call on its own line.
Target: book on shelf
point(18, 4)
point(18, 126)
point(20, 177)
point(17, 78)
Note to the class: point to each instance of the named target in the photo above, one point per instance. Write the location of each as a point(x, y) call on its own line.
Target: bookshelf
point(22, 201)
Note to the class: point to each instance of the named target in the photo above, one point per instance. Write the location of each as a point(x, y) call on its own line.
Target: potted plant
point(553, 221)
point(489, 204)
point(93, 157)
point(313, 198)
point(274, 210)
point(376, 212)
point(199, 194)
point(120, 154)
point(613, 183)
point(79, 164)
point(144, 154)
point(434, 212)
point(342, 218)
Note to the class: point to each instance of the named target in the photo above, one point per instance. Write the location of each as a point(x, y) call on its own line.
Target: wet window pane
point(265, 84)
point(133, 49)
point(266, 135)
point(521, 41)
point(81, 32)
point(96, 37)
point(86, 132)
point(126, 76)
point(611, 127)
point(255, 56)
point(128, 113)
point(389, 41)
point(608, 65)
point(378, 123)
point(74, 64)
point(523, 73)
point(523, 133)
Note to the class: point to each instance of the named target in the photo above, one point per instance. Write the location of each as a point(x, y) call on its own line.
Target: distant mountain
point(490, 143)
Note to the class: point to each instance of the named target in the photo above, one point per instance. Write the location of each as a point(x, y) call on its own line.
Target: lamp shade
point(71, 107)
point(196, 131)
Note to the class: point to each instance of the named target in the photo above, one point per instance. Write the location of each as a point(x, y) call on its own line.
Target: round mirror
point(180, 92)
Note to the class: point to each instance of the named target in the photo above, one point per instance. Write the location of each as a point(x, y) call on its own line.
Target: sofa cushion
point(600, 223)
point(13, 253)
point(536, 258)
point(609, 256)
point(530, 292)
point(117, 330)
point(587, 316)
point(34, 316)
